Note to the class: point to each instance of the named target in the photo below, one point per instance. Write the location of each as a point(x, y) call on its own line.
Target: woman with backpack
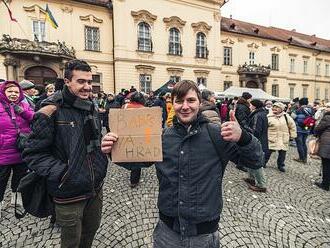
point(281, 128)
point(304, 122)
point(15, 117)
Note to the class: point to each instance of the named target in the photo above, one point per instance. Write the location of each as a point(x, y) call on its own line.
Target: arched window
point(144, 37)
point(201, 48)
point(175, 42)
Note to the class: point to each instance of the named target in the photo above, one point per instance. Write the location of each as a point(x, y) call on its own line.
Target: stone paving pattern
point(293, 213)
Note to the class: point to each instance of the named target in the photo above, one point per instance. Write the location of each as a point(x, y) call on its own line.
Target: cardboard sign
point(139, 131)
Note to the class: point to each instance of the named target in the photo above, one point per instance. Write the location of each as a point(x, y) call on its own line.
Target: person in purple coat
point(12, 112)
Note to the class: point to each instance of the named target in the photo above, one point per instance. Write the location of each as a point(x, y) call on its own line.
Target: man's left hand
point(231, 130)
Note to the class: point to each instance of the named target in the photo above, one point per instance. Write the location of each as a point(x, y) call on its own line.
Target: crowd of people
point(66, 145)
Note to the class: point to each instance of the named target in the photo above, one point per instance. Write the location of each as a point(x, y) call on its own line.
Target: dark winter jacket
point(258, 124)
point(323, 131)
point(57, 149)
point(160, 102)
point(190, 176)
point(300, 115)
point(242, 112)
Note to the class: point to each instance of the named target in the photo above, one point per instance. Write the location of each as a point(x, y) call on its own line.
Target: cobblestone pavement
point(293, 213)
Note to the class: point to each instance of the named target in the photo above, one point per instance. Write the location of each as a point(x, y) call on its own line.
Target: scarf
point(91, 127)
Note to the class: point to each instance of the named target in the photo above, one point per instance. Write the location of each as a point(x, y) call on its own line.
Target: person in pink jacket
point(12, 110)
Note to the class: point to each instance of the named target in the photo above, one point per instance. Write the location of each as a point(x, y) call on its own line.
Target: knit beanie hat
point(280, 105)
point(257, 103)
point(246, 95)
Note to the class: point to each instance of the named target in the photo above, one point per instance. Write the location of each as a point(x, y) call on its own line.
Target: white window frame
point(305, 91)
point(275, 61)
point(326, 94)
point(175, 47)
point(145, 83)
point(327, 70)
point(291, 92)
point(275, 90)
point(317, 93)
point(252, 57)
point(201, 46)
point(318, 69)
point(175, 79)
point(305, 66)
point(292, 65)
point(227, 84)
point(227, 56)
point(40, 32)
point(201, 80)
point(144, 37)
point(92, 38)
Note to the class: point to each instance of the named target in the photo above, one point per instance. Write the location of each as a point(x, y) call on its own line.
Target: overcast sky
point(306, 16)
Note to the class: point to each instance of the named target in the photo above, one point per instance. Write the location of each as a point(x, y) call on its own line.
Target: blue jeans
point(164, 237)
point(301, 145)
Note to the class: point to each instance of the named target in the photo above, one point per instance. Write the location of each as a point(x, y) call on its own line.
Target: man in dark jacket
point(161, 102)
point(258, 126)
point(242, 112)
point(195, 155)
point(65, 147)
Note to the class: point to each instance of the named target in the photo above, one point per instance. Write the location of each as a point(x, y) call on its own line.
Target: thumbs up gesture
point(231, 130)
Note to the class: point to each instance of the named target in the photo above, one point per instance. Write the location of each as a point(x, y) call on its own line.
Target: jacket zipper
point(64, 177)
point(89, 161)
point(62, 123)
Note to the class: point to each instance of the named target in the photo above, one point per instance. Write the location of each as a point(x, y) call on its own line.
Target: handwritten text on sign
point(139, 131)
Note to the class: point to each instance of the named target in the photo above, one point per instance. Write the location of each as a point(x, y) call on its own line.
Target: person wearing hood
point(208, 107)
point(302, 113)
point(14, 115)
point(258, 126)
point(281, 128)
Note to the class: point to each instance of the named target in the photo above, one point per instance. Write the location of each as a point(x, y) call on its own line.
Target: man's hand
point(108, 141)
point(231, 130)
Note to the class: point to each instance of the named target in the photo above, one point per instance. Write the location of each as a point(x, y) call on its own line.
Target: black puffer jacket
point(57, 150)
point(258, 125)
point(323, 131)
point(190, 176)
point(242, 112)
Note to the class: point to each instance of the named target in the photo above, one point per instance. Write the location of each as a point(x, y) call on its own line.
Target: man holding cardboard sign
point(195, 155)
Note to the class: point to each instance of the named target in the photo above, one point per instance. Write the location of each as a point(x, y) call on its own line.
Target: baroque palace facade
point(146, 43)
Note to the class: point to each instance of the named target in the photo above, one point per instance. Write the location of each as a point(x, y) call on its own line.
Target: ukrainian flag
point(50, 18)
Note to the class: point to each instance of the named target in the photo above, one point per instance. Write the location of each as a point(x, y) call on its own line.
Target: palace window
point(96, 85)
point(327, 67)
point(175, 79)
point(251, 58)
point(275, 90)
point(175, 47)
point(292, 64)
point(305, 66)
point(92, 38)
point(227, 56)
point(275, 62)
point(144, 37)
point(38, 30)
point(304, 91)
point(317, 93)
point(326, 94)
point(291, 92)
point(201, 48)
point(227, 84)
point(318, 69)
point(201, 80)
point(145, 83)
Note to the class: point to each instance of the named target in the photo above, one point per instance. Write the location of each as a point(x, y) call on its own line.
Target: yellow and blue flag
point(50, 18)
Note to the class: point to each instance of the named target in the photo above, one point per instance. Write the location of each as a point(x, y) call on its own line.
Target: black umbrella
point(167, 87)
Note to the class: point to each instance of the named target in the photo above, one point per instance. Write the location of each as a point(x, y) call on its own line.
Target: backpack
point(309, 122)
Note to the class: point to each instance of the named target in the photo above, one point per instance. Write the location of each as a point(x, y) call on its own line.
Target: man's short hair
point(75, 65)
point(181, 89)
point(207, 94)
